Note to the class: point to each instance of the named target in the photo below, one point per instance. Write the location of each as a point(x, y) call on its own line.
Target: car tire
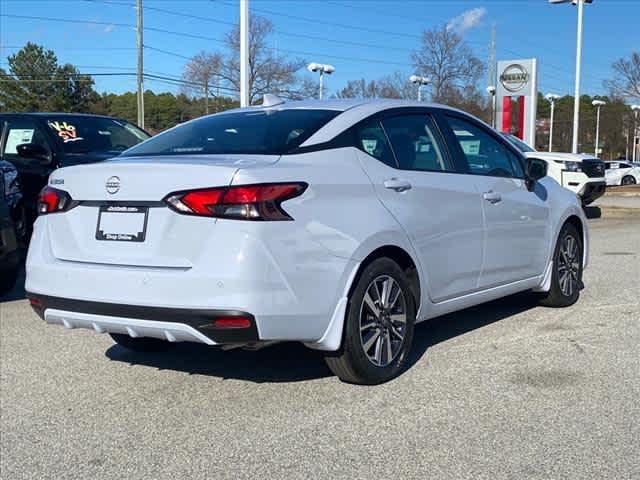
point(8, 279)
point(566, 280)
point(141, 344)
point(376, 341)
point(628, 180)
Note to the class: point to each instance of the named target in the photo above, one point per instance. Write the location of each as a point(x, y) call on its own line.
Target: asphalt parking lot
point(504, 390)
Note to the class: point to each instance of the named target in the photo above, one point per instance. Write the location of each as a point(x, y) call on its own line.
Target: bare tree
point(626, 83)
point(447, 60)
point(395, 85)
point(269, 72)
point(201, 71)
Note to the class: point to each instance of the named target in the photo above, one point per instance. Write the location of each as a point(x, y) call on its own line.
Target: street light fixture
point(551, 98)
point(420, 81)
point(576, 104)
point(322, 68)
point(597, 104)
point(635, 109)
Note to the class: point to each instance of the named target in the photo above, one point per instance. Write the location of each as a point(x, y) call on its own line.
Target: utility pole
point(206, 97)
point(140, 96)
point(491, 80)
point(244, 53)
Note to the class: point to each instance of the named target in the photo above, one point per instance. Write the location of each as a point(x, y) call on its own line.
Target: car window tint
point(485, 155)
point(415, 143)
point(22, 131)
point(371, 139)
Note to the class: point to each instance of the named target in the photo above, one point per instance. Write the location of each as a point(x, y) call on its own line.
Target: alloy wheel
point(383, 320)
point(569, 265)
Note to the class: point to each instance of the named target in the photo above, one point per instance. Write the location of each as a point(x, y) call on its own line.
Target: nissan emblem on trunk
point(113, 185)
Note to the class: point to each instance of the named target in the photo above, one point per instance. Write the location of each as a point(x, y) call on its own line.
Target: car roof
point(54, 114)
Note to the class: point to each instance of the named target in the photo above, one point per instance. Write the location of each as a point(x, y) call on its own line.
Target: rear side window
point(415, 143)
point(250, 132)
point(20, 131)
point(371, 139)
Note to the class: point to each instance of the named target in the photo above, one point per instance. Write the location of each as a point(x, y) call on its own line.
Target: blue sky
point(386, 32)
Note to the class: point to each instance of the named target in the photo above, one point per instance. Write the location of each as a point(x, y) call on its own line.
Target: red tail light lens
point(52, 200)
point(241, 202)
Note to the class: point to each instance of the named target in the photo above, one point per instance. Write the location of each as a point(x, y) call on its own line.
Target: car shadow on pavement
point(292, 362)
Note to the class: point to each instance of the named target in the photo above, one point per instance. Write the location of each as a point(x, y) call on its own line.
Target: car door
point(33, 172)
point(517, 230)
point(440, 210)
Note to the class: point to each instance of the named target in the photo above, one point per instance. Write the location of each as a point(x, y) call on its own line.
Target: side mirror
point(536, 169)
point(34, 151)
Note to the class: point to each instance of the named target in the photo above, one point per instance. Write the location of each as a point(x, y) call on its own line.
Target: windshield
point(251, 132)
point(79, 134)
point(519, 144)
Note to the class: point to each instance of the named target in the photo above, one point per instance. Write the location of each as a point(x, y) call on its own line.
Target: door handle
point(492, 197)
point(397, 185)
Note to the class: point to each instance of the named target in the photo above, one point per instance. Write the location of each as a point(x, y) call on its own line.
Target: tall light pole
point(322, 68)
point(421, 82)
point(576, 102)
point(635, 109)
point(244, 53)
point(551, 98)
point(139, 76)
point(597, 104)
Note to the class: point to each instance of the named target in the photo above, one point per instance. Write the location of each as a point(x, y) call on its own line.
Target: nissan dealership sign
point(516, 98)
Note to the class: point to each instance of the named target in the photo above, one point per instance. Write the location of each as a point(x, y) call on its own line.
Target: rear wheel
point(628, 180)
point(378, 329)
point(566, 280)
point(140, 344)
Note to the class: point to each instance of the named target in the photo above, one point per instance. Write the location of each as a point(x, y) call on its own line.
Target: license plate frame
point(122, 210)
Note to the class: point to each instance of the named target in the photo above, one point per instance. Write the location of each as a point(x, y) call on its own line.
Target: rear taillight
point(241, 202)
point(52, 200)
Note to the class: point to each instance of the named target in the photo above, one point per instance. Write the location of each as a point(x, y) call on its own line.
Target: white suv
point(579, 172)
point(338, 224)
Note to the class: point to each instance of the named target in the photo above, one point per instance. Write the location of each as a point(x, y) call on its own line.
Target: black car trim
point(200, 319)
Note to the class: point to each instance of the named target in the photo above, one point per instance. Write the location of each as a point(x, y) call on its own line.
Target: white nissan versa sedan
point(339, 224)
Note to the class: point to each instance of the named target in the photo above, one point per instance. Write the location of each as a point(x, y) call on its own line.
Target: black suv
point(38, 143)
point(12, 225)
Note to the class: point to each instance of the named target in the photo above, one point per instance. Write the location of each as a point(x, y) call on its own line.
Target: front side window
point(268, 132)
point(415, 143)
point(484, 154)
point(370, 138)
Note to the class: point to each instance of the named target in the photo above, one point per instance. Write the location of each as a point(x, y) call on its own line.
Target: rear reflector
point(241, 202)
point(35, 303)
point(231, 322)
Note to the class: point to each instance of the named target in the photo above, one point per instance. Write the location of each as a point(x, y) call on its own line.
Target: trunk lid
point(121, 219)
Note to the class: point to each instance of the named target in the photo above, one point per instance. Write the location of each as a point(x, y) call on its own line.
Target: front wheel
point(378, 329)
point(140, 344)
point(566, 280)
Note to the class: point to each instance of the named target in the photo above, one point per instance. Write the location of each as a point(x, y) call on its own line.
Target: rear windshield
point(269, 132)
point(95, 134)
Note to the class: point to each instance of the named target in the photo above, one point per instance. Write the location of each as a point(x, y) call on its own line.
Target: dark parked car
point(38, 143)
point(12, 225)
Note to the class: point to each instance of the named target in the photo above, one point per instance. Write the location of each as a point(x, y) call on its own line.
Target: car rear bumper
point(171, 324)
point(290, 286)
point(592, 191)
